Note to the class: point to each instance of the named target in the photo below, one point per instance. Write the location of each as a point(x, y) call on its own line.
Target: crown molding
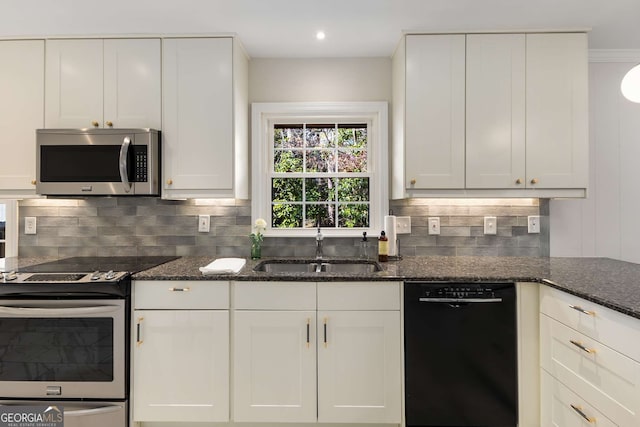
point(614, 55)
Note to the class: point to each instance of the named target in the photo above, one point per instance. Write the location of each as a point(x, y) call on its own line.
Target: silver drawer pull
point(179, 289)
point(578, 409)
point(583, 348)
point(582, 310)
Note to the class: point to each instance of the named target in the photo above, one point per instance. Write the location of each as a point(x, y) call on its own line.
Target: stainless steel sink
point(319, 267)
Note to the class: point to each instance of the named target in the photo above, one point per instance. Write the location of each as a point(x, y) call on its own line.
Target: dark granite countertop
point(614, 284)
point(611, 283)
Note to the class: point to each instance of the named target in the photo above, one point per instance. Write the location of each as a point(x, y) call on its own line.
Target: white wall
point(607, 223)
point(323, 79)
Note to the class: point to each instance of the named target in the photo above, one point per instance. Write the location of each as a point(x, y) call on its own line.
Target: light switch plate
point(533, 223)
point(434, 225)
point(403, 225)
point(490, 225)
point(203, 223)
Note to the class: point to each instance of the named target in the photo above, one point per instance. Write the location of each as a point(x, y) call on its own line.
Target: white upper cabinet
point(103, 83)
point(205, 117)
point(501, 115)
point(434, 122)
point(21, 100)
point(495, 119)
point(557, 110)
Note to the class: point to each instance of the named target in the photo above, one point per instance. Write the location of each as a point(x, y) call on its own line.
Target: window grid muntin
point(333, 146)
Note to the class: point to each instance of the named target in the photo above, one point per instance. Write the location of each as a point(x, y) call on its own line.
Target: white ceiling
point(286, 28)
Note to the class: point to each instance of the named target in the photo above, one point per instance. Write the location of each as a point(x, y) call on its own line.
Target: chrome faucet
point(319, 238)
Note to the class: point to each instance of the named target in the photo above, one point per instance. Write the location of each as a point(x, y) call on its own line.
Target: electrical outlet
point(403, 225)
point(203, 223)
point(29, 225)
point(490, 225)
point(533, 224)
point(434, 225)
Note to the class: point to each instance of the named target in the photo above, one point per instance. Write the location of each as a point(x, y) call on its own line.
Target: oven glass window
point(56, 349)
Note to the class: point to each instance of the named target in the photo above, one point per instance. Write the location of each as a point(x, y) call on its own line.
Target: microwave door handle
point(124, 163)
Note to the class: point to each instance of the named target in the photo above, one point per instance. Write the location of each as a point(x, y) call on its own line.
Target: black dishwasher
point(460, 354)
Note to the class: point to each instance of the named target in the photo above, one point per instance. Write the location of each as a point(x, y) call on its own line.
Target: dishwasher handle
point(460, 300)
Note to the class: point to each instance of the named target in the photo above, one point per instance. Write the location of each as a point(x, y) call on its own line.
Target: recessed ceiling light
point(320, 35)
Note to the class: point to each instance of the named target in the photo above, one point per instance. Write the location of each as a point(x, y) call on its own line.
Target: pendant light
point(630, 85)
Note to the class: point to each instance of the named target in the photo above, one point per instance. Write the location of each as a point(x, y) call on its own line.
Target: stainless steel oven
point(63, 348)
point(65, 337)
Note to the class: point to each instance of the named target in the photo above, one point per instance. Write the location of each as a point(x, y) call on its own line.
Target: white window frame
point(11, 227)
point(263, 115)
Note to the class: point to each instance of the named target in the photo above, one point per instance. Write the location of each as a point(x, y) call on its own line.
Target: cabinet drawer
point(359, 296)
point(274, 295)
point(616, 330)
point(560, 407)
point(179, 294)
point(607, 379)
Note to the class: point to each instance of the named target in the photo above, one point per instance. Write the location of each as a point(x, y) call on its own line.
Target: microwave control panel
point(140, 162)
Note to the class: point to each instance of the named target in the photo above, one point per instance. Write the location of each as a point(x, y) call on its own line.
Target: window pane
point(353, 190)
point(286, 189)
point(321, 161)
point(288, 136)
point(287, 161)
point(320, 189)
point(352, 136)
point(327, 213)
point(284, 215)
point(352, 161)
point(321, 136)
point(352, 215)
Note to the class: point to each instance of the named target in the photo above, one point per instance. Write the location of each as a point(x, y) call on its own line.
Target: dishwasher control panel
point(450, 291)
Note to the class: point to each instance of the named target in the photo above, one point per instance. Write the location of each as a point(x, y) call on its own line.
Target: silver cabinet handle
point(139, 331)
point(582, 310)
point(179, 289)
point(124, 163)
point(582, 347)
point(580, 412)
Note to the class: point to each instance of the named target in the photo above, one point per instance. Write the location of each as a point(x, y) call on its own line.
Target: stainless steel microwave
point(98, 162)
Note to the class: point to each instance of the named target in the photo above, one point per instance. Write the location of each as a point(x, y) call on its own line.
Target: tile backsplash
point(151, 226)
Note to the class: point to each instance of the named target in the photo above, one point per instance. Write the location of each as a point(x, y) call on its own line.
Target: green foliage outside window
point(320, 172)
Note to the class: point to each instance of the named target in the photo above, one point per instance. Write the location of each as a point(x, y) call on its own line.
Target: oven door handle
point(124, 163)
point(56, 312)
point(93, 411)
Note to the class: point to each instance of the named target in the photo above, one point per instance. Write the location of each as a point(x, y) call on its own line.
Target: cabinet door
point(198, 115)
point(557, 115)
point(274, 366)
point(22, 89)
point(561, 407)
point(495, 120)
point(73, 83)
point(435, 109)
point(132, 83)
point(359, 367)
point(181, 365)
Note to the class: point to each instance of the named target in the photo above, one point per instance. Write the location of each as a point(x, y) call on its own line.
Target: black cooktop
point(131, 264)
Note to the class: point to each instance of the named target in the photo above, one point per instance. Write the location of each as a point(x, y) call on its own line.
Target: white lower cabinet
point(180, 352)
point(339, 363)
point(591, 351)
point(563, 408)
point(359, 379)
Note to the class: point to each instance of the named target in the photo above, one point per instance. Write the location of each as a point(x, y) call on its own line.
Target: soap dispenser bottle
point(364, 246)
point(383, 247)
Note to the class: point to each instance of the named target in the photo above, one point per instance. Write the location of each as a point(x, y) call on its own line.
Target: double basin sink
point(319, 266)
